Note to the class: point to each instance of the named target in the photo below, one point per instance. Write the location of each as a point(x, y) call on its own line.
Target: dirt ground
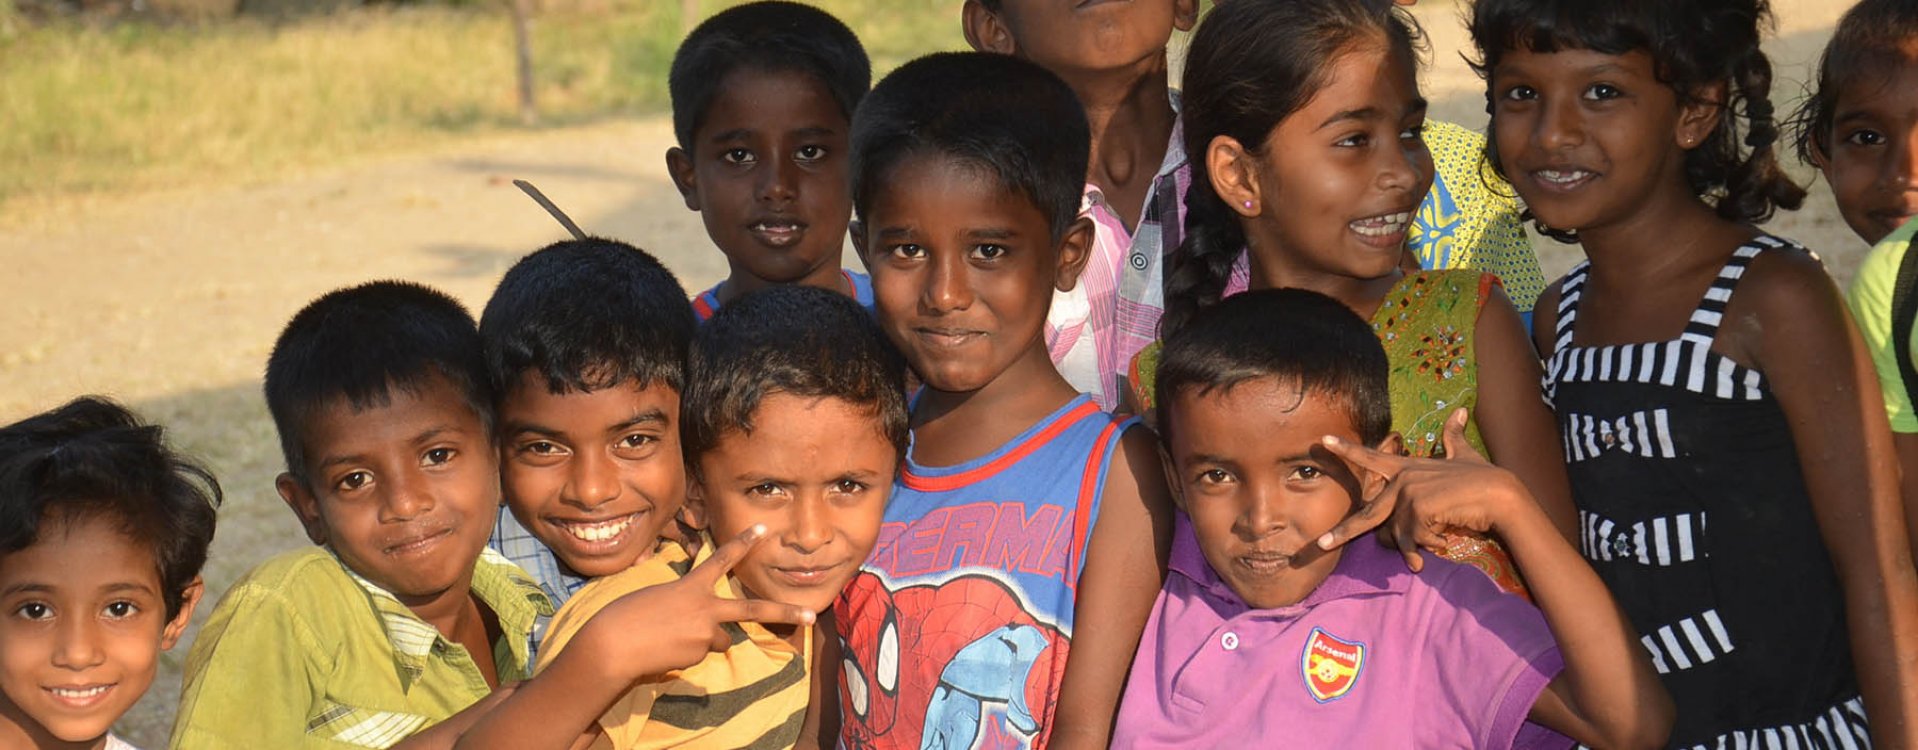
point(170, 301)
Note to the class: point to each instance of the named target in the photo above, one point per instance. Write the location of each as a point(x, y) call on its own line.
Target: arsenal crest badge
point(1331, 665)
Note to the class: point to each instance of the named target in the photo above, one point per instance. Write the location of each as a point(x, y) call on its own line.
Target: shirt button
point(1229, 641)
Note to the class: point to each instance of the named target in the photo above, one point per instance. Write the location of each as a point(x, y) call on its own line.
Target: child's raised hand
point(1419, 499)
point(675, 625)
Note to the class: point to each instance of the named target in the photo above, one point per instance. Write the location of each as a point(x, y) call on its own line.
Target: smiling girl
point(1723, 436)
point(1305, 121)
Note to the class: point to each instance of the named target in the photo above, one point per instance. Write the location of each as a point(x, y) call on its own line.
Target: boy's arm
point(1116, 590)
point(821, 729)
point(443, 735)
point(1608, 695)
point(646, 632)
point(248, 681)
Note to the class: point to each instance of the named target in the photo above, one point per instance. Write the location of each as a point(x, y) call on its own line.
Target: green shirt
point(304, 653)
point(1870, 298)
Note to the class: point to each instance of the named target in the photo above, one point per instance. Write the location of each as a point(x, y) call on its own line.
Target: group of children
point(1195, 417)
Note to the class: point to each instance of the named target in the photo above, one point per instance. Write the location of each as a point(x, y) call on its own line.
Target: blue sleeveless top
point(955, 631)
point(707, 302)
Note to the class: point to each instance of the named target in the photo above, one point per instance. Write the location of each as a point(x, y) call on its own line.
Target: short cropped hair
point(93, 459)
point(770, 36)
point(1007, 116)
point(788, 339)
point(585, 315)
point(1299, 337)
point(361, 342)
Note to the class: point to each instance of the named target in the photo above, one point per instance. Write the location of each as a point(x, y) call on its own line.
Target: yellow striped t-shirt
point(753, 695)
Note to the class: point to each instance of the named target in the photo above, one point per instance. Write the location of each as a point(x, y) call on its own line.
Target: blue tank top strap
point(1092, 486)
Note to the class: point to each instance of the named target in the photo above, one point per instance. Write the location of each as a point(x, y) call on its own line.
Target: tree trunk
point(688, 16)
point(523, 44)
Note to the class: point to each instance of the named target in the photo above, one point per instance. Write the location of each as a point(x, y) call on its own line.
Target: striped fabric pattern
point(1842, 727)
point(1662, 541)
point(1642, 433)
point(1691, 641)
point(363, 727)
point(752, 695)
point(1686, 362)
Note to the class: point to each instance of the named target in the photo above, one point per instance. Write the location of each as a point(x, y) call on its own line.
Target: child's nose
point(407, 496)
point(1264, 513)
point(1559, 125)
point(78, 644)
point(778, 182)
point(811, 528)
point(592, 481)
point(948, 286)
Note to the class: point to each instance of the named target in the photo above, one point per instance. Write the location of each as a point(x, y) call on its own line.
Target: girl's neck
point(1672, 231)
point(1271, 268)
point(953, 427)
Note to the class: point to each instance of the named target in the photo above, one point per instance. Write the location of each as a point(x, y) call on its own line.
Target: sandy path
point(170, 302)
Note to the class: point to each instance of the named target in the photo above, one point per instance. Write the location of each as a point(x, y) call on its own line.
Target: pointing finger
point(764, 612)
point(1367, 517)
point(728, 555)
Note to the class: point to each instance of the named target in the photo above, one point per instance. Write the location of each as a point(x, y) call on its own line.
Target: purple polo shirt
point(1375, 657)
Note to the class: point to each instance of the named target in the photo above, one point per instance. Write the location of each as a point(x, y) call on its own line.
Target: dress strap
point(1711, 309)
point(1568, 294)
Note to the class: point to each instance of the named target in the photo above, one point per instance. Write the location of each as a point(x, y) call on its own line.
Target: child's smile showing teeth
point(1386, 229)
point(598, 533)
point(778, 232)
point(80, 696)
point(1563, 179)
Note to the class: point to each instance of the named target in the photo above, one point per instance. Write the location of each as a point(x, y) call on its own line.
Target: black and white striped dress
point(1693, 510)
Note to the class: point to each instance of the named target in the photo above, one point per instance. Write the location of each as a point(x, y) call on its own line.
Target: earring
point(1248, 205)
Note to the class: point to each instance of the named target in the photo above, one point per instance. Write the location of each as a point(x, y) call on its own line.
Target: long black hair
point(1251, 64)
point(1870, 41)
point(1693, 44)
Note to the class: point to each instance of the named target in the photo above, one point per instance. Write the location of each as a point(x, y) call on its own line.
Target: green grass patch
point(131, 106)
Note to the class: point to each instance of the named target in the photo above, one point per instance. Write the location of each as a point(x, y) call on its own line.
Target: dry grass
point(134, 106)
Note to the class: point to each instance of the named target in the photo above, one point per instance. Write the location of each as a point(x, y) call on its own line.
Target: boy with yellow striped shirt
point(793, 425)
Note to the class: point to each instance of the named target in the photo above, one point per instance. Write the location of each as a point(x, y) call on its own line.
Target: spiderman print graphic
point(951, 666)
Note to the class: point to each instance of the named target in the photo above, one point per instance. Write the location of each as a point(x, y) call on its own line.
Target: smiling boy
point(400, 618)
point(763, 96)
point(585, 345)
point(794, 424)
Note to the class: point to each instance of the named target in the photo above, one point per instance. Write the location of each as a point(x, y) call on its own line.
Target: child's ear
point(1699, 116)
point(189, 599)
point(304, 505)
point(1185, 14)
point(693, 511)
point(1235, 175)
point(986, 31)
point(1075, 249)
point(679, 164)
point(1172, 477)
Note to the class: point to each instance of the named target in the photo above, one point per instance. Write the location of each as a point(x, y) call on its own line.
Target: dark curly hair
point(93, 459)
point(1251, 64)
point(1873, 37)
point(1693, 44)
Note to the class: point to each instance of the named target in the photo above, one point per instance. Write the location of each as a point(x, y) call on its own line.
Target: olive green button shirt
point(304, 653)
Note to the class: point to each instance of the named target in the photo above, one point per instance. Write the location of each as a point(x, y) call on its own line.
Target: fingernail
point(1330, 440)
point(806, 618)
point(758, 529)
point(1325, 541)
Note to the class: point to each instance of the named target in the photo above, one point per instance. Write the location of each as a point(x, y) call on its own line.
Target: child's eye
point(355, 480)
point(637, 440)
point(542, 448)
point(810, 153)
point(1866, 138)
point(1521, 93)
point(1307, 473)
point(908, 251)
point(989, 252)
point(765, 489)
point(1356, 140)
point(737, 156)
point(1412, 133)
point(1602, 91)
point(437, 456)
point(121, 610)
point(1214, 476)
point(34, 611)
point(849, 486)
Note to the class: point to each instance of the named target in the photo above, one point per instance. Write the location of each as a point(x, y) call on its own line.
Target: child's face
point(82, 623)
point(816, 472)
point(767, 172)
point(1590, 139)
point(1872, 162)
point(963, 270)
point(594, 475)
point(1082, 36)
point(1339, 181)
point(404, 493)
point(1260, 487)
